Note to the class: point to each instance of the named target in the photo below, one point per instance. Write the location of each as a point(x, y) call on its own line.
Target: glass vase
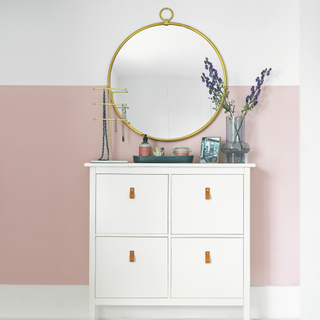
point(235, 148)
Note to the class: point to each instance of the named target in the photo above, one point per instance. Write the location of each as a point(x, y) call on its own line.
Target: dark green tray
point(163, 159)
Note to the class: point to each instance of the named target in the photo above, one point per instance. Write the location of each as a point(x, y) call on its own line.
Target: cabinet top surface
point(171, 165)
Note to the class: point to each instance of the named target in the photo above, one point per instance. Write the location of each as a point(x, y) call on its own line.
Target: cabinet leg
point(246, 311)
point(92, 311)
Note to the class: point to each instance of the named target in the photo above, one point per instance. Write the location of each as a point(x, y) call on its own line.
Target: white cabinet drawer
point(145, 277)
point(145, 213)
point(192, 277)
point(222, 213)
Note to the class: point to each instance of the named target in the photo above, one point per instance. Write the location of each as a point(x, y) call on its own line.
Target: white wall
point(78, 37)
point(309, 157)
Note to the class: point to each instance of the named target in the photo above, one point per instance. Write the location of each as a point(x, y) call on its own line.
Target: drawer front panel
point(207, 268)
point(207, 204)
point(131, 204)
point(145, 277)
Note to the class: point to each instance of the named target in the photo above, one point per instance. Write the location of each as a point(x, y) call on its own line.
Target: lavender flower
point(253, 98)
point(220, 93)
point(217, 89)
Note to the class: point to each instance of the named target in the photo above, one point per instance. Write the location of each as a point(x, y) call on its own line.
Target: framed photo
point(210, 148)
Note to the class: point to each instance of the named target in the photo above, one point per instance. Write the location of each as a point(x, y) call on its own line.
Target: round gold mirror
point(161, 66)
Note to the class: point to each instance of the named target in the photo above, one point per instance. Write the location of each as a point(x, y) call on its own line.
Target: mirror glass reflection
point(161, 67)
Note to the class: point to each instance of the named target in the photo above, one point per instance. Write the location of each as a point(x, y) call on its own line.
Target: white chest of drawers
point(169, 235)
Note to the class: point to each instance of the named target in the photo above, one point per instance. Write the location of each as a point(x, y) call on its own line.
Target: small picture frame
point(210, 148)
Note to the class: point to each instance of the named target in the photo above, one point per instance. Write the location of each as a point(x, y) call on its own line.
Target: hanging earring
point(124, 116)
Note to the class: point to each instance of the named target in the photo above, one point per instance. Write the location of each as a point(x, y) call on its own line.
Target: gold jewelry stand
point(111, 91)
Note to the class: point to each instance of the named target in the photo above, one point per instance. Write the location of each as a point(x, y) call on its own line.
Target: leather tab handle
point(207, 256)
point(131, 256)
point(207, 193)
point(131, 193)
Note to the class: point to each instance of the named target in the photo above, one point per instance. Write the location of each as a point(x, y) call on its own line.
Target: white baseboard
point(71, 302)
point(275, 302)
point(310, 299)
point(44, 301)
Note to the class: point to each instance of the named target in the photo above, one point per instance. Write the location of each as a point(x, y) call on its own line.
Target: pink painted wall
point(46, 135)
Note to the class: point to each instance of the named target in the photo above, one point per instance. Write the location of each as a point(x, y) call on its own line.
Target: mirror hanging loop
point(166, 21)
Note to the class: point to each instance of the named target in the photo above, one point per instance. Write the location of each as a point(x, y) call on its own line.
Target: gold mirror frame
point(166, 22)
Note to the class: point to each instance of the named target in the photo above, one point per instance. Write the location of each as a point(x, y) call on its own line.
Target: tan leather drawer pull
point(207, 193)
point(207, 256)
point(131, 193)
point(131, 256)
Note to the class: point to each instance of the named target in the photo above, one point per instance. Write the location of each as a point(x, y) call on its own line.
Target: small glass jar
point(181, 151)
